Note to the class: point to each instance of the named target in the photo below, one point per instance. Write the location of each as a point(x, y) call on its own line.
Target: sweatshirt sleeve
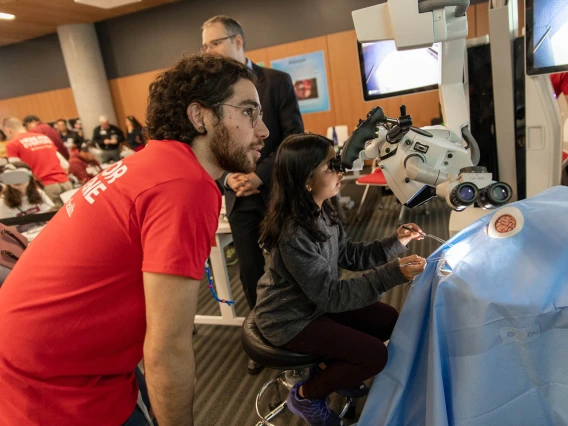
point(362, 256)
point(316, 277)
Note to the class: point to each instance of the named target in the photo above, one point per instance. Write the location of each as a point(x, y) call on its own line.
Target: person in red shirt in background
point(82, 164)
point(38, 152)
point(75, 322)
point(32, 123)
point(560, 83)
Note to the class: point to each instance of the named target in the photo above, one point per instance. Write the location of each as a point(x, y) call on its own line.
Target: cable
point(210, 285)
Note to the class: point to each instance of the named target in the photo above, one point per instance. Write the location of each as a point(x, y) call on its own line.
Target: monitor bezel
point(369, 97)
point(530, 69)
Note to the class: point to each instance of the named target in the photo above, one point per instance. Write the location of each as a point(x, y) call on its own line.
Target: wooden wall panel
point(317, 122)
point(49, 106)
point(259, 56)
point(471, 22)
point(482, 19)
point(521, 9)
point(130, 96)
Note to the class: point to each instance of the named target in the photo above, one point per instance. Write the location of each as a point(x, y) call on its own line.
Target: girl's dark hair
point(208, 80)
point(135, 123)
point(13, 197)
point(291, 204)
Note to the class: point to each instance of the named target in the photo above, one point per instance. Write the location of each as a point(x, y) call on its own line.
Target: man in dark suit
point(246, 196)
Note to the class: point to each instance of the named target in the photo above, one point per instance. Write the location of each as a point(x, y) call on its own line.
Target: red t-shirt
point(72, 312)
point(47, 130)
point(560, 83)
point(38, 152)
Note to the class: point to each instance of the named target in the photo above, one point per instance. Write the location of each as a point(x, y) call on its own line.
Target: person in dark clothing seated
point(108, 138)
point(302, 304)
point(70, 138)
point(83, 165)
point(32, 123)
point(134, 137)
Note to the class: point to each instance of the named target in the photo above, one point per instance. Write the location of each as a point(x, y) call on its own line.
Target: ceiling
point(35, 18)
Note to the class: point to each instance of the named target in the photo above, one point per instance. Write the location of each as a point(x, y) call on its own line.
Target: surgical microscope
point(422, 163)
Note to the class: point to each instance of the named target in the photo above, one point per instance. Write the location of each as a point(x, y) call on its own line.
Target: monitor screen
point(546, 36)
point(386, 71)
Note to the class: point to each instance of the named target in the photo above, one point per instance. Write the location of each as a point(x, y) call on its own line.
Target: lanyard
point(210, 285)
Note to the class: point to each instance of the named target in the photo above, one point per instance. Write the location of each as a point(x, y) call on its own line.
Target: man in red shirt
point(74, 321)
point(33, 124)
point(82, 164)
point(560, 83)
point(38, 152)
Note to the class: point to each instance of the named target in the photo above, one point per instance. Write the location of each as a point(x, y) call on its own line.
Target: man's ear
point(240, 42)
point(195, 114)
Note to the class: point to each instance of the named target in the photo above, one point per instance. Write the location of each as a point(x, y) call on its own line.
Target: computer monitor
point(546, 36)
point(386, 71)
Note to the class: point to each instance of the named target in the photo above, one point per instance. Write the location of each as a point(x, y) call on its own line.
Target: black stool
point(293, 364)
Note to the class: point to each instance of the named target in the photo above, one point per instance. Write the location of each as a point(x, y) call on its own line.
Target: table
point(221, 281)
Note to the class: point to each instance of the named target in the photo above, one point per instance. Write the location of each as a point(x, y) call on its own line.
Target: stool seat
point(263, 352)
point(376, 177)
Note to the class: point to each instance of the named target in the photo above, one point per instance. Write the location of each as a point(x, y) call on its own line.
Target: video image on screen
point(547, 31)
point(386, 71)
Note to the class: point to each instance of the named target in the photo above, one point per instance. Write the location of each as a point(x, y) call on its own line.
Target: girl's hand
point(405, 236)
point(411, 266)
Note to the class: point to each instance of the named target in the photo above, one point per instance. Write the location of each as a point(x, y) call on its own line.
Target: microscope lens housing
point(464, 195)
point(495, 195)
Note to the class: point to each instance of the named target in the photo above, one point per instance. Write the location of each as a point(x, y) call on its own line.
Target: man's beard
point(230, 156)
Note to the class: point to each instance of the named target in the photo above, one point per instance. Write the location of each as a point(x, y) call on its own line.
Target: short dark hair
point(61, 119)
point(202, 78)
point(29, 118)
point(232, 26)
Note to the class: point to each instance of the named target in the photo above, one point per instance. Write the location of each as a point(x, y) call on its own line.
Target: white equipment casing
point(543, 135)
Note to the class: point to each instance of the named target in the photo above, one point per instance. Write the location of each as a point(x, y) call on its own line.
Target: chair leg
point(362, 200)
point(380, 188)
point(401, 214)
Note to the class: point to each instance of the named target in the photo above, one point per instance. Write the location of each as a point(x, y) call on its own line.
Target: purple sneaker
point(314, 411)
point(355, 391)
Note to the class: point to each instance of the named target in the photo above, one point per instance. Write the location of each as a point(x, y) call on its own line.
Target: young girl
point(24, 198)
point(302, 304)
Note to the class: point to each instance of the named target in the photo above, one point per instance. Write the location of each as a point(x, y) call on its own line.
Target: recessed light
point(106, 4)
point(7, 16)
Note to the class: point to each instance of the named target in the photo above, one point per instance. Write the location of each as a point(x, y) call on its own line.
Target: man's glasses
point(215, 43)
point(336, 165)
point(250, 111)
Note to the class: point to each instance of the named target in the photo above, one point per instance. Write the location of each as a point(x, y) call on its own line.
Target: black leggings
point(352, 344)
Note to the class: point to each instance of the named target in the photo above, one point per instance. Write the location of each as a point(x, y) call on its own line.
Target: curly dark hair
point(206, 79)
point(13, 197)
point(291, 204)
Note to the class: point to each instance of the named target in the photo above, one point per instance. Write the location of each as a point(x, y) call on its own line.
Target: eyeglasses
point(336, 165)
point(250, 111)
point(215, 43)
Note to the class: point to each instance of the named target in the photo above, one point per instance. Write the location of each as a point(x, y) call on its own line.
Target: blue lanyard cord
point(210, 285)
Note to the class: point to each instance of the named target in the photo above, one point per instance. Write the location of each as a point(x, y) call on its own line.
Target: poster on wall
point(310, 80)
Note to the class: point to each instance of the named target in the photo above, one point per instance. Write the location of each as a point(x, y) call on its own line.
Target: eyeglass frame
point(206, 46)
point(253, 119)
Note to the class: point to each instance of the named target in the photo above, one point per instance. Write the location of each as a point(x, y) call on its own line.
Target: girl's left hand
point(405, 236)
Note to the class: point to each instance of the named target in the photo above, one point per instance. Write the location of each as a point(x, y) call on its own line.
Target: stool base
point(287, 379)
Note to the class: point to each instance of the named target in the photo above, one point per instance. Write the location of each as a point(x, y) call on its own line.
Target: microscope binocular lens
point(495, 195)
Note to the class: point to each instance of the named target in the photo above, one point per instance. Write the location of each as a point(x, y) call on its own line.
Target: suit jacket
point(282, 117)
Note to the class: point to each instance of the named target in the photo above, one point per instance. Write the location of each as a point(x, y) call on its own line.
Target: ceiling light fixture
point(7, 16)
point(106, 4)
